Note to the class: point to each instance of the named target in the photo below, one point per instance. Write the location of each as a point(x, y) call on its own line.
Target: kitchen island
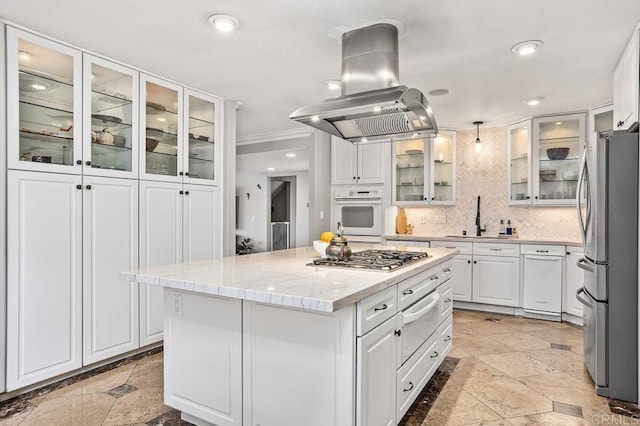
point(264, 339)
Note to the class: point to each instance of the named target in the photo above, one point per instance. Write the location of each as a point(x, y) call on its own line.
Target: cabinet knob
point(433, 198)
point(536, 197)
point(435, 355)
point(88, 163)
point(78, 186)
point(181, 173)
point(181, 192)
point(186, 173)
point(433, 277)
point(468, 261)
point(528, 198)
point(384, 306)
point(358, 178)
point(398, 332)
point(88, 186)
point(425, 198)
point(79, 162)
point(475, 261)
point(354, 178)
point(186, 192)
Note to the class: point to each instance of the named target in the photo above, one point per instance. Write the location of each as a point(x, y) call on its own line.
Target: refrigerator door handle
point(582, 264)
point(581, 300)
point(584, 177)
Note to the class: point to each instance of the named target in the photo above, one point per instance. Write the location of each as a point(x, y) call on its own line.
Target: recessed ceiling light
point(527, 47)
point(291, 155)
point(38, 86)
point(333, 84)
point(271, 169)
point(24, 55)
point(364, 140)
point(377, 109)
point(558, 122)
point(533, 101)
point(224, 23)
point(315, 118)
point(161, 119)
point(415, 135)
point(440, 92)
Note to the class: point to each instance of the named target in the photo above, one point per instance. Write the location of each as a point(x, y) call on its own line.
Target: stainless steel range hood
point(372, 106)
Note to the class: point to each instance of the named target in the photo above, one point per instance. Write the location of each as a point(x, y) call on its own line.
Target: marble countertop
point(282, 278)
point(483, 239)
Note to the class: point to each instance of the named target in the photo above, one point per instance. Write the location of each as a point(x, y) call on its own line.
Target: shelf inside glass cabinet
point(45, 90)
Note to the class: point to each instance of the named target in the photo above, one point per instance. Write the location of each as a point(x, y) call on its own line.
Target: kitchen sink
point(473, 236)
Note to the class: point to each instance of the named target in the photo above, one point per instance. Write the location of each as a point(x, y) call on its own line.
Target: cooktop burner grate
point(374, 260)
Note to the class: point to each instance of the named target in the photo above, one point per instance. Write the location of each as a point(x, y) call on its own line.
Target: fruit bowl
point(320, 247)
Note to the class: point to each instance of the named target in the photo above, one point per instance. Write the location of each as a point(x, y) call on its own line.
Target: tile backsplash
point(485, 174)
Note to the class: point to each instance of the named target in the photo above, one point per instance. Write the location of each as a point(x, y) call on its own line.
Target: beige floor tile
point(461, 315)
point(137, 407)
point(517, 364)
point(487, 328)
point(17, 418)
point(492, 423)
point(159, 357)
point(563, 388)
point(38, 400)
point(473, 370)
point(521, 341)
point(457, 352)
point(454, 406)
point(147, 374)
point(555, 419)
point(459, 330)
point(100, 383)
point(564, 336)
point(558, 359)
point(510, 398)
point(480, 345)
point(581, 374)
point(81, 410)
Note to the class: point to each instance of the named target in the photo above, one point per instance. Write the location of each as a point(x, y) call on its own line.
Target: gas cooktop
point(374, 260)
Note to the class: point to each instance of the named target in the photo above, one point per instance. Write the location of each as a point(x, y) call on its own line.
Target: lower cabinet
point(44, 276)
point(496, 280)
point(461, 279)
point(178, 223)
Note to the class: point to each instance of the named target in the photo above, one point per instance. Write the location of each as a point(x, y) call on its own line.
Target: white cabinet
point(574, 281)
point(625, 86)
point(44, 292)
point(461, 279)
point(202, 139)
point(178, 223)
point(110, 242)
point(376, 375)
point(542, 283)
point(496, 280)
point(353, 163)
point(519, 185)
point(217, 357)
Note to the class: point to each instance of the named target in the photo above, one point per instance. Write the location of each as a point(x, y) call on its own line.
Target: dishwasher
point(542, 272)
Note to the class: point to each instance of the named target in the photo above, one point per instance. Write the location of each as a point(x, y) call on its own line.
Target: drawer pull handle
point(447, 300)
point(495, 249)
point(407, 293)
point(433, 277)
point(449, 247)
point(410, 387)
point(398, 333)
point(447, 270)
point(384, 306)
point(542, 251)
point(446, 339)
point(435, 355)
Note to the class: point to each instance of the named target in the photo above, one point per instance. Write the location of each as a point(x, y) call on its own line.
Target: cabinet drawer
point(403, 243)
point(496, 249)
point(445, 337)
point(376, 309)
point(418, 286)
point(446, 299)
point(545, 250)
point(446, 270)
point(415, 373)
point(464, 247)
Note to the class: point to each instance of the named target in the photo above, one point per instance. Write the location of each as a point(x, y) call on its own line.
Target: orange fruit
point(326, 236)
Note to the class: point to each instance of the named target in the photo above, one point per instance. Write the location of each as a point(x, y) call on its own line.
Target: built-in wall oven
point(359, 210)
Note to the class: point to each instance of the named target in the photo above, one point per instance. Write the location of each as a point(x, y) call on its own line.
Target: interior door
point(160, 244)
point(202, 231)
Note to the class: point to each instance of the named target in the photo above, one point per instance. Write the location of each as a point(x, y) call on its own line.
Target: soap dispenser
point(501, 228)
point(509, 230)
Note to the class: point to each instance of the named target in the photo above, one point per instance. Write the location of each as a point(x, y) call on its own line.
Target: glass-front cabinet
point(110, 119)
point(161, 130)
point(200, 147)
point(424, 170)
point(544, 159)
point(558, 144)
point(44, 102)
point(519, 167)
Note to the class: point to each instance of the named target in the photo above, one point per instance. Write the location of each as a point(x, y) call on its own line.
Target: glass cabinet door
point(161, 128)
point(409, 173)
point(44, 104)
point(519, 172)
point(111, 115)
point(558, 145)
point(200, 155)
point(443, 160)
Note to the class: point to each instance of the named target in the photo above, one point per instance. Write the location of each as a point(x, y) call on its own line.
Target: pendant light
point(478, 144)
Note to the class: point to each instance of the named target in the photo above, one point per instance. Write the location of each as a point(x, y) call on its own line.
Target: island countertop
point(283, 277)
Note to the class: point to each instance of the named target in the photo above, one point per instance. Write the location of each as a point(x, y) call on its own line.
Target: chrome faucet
point(479, 229)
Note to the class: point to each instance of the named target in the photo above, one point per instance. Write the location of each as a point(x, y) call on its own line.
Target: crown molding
point(275, 136)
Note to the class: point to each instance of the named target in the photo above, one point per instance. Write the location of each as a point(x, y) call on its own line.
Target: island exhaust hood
point(372, 106)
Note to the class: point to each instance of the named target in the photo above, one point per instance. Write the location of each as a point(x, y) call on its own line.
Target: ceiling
point(260, 161)
point(285, 49)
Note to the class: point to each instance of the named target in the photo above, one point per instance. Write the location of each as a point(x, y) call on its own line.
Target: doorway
point(282, 212)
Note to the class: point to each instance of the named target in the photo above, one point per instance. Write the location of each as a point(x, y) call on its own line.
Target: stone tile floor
point(502, 370)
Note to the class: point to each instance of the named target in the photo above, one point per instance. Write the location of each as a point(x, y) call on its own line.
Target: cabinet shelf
point(198, 123)
point(47, 90)
point(519, 183)
point(110, 124)
point(98, 149)
point(45, 79)
point(163, 137)
point(558, 180)
point(26, 134)
point(413, 185)
point(410, 168)
point(103, 102)
point(36, 106)
point(417, 154)
point(558, 161)
point(442, 163)
point(161, 155)
point(555, 140)
point(520, 158)
point(195, 143)
point(197, 160)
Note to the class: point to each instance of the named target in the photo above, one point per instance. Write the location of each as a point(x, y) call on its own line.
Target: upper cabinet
point(545, 172)
point(424, 170)
point(200, 147)
point(110, 131)
point(44, 102)
point(354, 163)
point(626, 93)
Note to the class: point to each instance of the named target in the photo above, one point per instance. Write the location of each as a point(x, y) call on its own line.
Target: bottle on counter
point(501, 228)
point(509, 229)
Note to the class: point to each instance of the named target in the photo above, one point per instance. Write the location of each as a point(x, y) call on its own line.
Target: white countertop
point(282, 278)
point(483, 239)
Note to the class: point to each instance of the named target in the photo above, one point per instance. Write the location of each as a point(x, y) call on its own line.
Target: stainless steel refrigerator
point(607, 204)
